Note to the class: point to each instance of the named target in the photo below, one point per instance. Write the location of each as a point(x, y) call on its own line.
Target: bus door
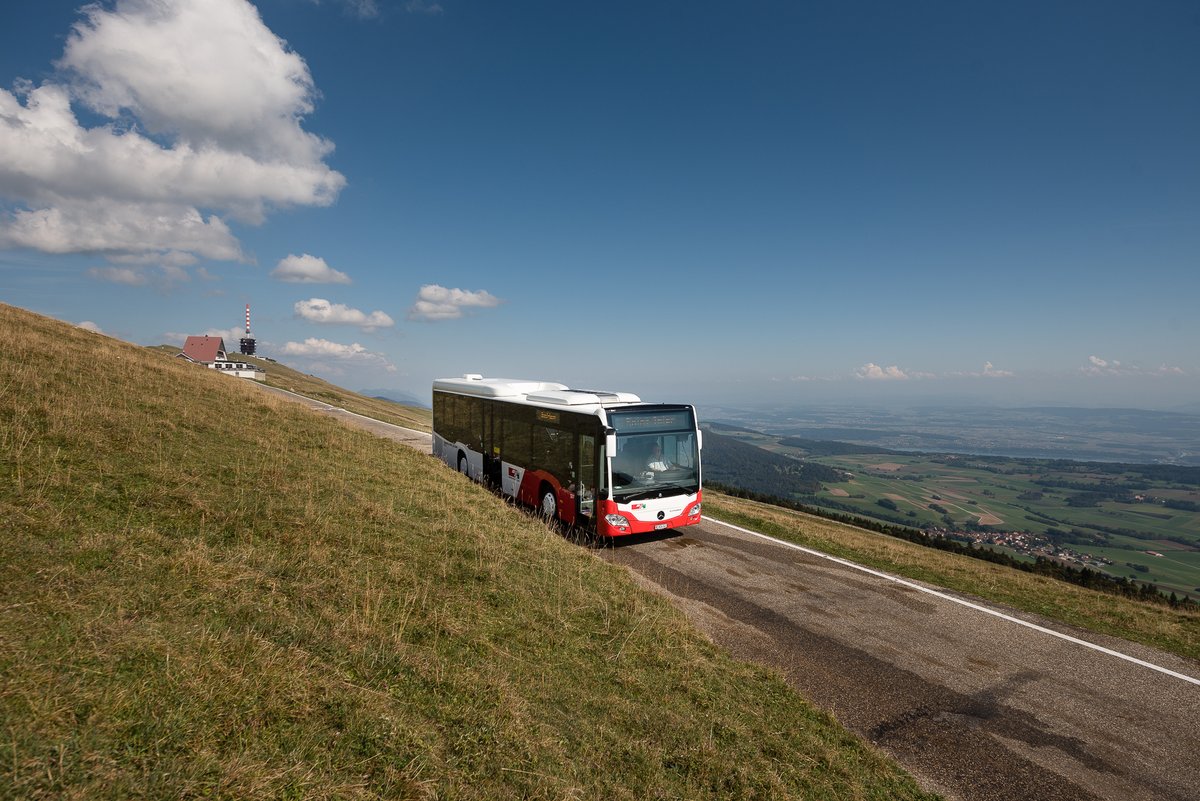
point(585, 493)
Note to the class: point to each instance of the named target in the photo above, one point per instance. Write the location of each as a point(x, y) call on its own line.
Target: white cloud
point(88, 325)
point(989, 371)
point(205, 107)
point(243, 87)
point(118, 228)
point(314, 348)
point(1102, 367)
point(319, 310)
point(439, 303)
point(306, 269)
point(232, 335)
point(1097, 366)
point(140, 272)
point(873, 372)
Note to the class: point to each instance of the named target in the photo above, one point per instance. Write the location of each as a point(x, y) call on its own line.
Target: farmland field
point(1136, 521)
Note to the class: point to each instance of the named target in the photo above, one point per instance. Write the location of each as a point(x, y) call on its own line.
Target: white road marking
point(961, 602)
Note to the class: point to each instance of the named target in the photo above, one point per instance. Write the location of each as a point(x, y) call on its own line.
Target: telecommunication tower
point(248, 344)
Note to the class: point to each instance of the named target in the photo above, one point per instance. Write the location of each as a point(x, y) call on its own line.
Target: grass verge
point(285, 607)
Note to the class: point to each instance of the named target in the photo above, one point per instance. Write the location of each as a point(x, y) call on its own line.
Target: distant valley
point(1139, 522)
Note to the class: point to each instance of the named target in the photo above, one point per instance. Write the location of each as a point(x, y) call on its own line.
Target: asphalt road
point(977, 707)
point(421, 440)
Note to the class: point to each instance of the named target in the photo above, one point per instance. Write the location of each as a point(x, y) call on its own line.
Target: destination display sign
point(657, 420)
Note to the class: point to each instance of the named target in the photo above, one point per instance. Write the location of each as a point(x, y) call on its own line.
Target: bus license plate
point(660, 526)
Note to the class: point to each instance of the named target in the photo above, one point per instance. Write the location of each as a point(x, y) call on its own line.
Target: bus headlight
point(695, 510)
point(617, 521)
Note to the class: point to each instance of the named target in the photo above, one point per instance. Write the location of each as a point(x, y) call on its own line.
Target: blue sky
point(721, 202)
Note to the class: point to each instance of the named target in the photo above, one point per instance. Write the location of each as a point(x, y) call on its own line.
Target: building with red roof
point(210, 351)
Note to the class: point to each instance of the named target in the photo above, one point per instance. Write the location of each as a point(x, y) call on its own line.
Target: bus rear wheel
point(549, 504)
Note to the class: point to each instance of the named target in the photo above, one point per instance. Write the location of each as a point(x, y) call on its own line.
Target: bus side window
point(514, 447)
point(474, 424)
point(552, 452)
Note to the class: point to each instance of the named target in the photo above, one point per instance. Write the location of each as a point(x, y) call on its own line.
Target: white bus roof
point(536, 393)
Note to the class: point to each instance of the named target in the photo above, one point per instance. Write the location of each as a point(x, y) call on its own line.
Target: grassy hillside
point(283, 607)
point(284, 377)
point(735, 463)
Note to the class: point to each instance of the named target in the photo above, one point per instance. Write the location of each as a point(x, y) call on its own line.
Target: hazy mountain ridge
point(1039, 432)
point(396, 396)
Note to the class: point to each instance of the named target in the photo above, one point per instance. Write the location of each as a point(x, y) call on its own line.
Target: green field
point(980, 497)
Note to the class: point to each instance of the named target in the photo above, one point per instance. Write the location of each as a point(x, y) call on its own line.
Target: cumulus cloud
point(439, 303)
point(164, 273)
point(319, 310)
point(88, 325)
point(204, 107)
point(306, 269)
point(1097, 366)
point(989, 371)
point(873, 372)
point(314, 348)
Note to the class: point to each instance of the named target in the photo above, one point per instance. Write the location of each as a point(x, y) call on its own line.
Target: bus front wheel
point(549, 506)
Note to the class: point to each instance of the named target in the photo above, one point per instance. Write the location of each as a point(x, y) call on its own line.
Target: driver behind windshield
point(656, 461)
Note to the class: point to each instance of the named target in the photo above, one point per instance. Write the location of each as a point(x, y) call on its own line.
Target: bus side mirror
point(699, 440)
point(610, 442)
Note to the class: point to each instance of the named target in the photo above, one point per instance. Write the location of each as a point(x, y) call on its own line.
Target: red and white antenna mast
point(248, 343)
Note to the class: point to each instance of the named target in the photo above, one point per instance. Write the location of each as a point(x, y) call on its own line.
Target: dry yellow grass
point(284, 377)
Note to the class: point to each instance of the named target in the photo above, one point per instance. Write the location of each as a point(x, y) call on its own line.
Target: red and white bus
point(602, 461)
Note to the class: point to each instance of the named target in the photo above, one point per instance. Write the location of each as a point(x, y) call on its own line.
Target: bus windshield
point(656, 455)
